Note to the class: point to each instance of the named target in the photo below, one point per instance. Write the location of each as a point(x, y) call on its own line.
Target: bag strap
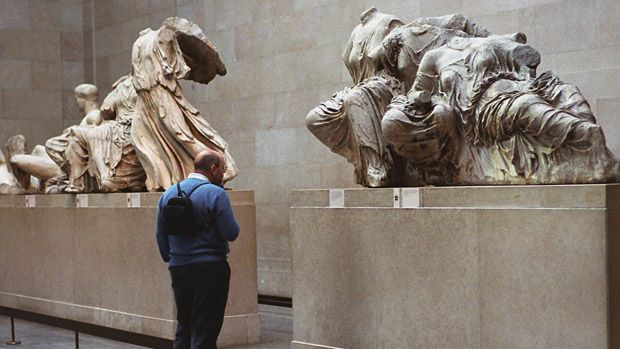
point(187, 195)
point(196, 187)
point(179, 191)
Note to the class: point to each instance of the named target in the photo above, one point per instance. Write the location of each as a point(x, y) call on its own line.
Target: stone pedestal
point(457, 267)
point(93, 258)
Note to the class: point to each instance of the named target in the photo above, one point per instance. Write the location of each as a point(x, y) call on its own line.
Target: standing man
point(197, 262)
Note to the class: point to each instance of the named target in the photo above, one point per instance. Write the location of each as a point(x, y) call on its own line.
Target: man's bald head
point(205, 159)
point(211, 164)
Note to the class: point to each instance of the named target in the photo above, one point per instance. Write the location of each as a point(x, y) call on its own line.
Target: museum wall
point(283, 58)
point(41, 61)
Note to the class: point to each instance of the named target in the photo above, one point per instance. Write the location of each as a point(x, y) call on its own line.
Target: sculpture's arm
point(93, 118)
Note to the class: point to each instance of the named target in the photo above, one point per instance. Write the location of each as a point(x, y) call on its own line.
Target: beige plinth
point(463, 267)
point(92, 258)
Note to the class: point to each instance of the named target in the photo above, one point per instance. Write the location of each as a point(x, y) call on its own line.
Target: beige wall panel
point(46, 75)
point(36, 45)
point(72, 46)
point(35, 131)
point(15, 74)
point(15, 14)
point(45, 15)
point(71, 16)
point(72, 75)
point(31, 104)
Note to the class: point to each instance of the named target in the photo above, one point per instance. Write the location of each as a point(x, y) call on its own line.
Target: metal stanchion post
point(77, 340)
point(13, 341)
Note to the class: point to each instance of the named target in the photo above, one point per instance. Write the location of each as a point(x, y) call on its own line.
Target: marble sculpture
point(145, 134)
point(442, 101)
point(167, 131)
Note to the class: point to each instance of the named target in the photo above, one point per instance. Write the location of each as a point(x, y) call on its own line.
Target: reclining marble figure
point(442, 101)
point(32, 171)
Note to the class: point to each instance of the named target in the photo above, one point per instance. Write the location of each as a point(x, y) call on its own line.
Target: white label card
point(81, 200)
point(133, 200)
point(31, 201)
point(336, 198)
point(410, 197)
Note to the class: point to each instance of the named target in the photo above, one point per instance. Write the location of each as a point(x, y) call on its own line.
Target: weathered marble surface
point(443, 101)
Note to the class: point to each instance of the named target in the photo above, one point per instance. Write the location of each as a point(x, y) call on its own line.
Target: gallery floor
point(276, 333)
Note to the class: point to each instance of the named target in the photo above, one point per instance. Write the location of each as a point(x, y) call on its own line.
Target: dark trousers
point(200, 293)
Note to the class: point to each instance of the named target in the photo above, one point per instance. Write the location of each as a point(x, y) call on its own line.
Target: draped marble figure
point(86, 98)
point(102, 158)
point(167, 130)
point(443, 101)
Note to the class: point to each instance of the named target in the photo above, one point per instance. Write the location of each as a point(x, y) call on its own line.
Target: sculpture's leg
point(77, 159)
point(16, 145)
point(56, 146)
point(128, 175)
point(554, 127)
point(364, 106)
point(562, 95)
point(570, 98)
point(373, 157)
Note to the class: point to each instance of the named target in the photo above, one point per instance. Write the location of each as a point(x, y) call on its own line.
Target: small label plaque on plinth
point(336, 198)
point(133, 199)
point(410, 198)
point(31, 201)
point(81, 200)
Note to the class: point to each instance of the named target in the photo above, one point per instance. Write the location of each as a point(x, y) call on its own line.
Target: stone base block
point(461, 267)
point(93, 258)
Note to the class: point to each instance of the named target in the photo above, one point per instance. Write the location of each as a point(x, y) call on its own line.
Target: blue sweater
point(211, 205)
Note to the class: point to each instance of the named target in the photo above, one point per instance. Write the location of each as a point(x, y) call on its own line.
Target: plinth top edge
point(521, 196)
